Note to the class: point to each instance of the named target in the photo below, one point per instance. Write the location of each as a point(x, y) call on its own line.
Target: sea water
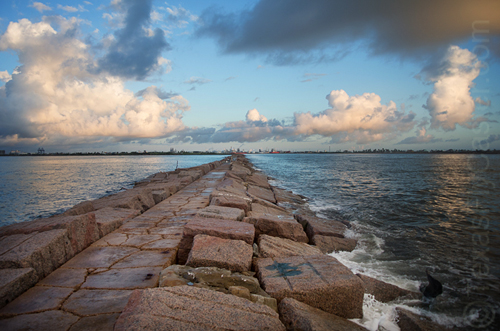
point(409, 213)
point(41, 186)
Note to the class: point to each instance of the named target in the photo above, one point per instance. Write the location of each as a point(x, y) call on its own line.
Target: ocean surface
point(409, 212)
point(41, 186)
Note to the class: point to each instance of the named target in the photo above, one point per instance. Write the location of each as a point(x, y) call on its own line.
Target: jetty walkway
point(213, 247)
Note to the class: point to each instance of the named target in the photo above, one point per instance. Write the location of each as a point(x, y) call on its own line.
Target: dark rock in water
point(385, 292)
point(409, 321)
point(433, 289)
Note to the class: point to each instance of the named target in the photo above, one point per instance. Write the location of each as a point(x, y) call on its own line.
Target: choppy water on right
point(411, 212)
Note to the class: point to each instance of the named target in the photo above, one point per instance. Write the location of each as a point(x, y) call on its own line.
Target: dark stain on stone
point(284, 269)
point(148, 276)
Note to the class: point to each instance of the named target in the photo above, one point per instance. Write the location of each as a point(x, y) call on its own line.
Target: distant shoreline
point(260, 153)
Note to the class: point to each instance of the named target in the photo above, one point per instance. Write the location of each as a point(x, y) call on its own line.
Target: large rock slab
point(99, 257)
point(93, 302)
point(147, 259)
point(82, 229)
point(46, 321)
point(232, 201)
point(13, 282)
point(215, 228)
point(277, 226)
point(103, 322)
point(62, 277)
point(385, 292)
point(317, 280)
point(328, 244)
point(109, 219)
point(270, 246)
point(296, 315)
point(80, 209)
point(36, 299)
point(225, 213)
point(137, 198)
point(320, 226)
point(124, 279)
point(262, 193)
point(189, 308)
point(208, 251)
point(43, 252)
point(258, 179)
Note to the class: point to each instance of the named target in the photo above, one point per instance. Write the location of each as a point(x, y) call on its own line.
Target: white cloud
point(482, 102)
point(54, 96)
point(451, 103)
point(40, 6)
point(4, 76)
point(421, 138)
point(69, 9)
point(360, 118)
point(254, 116)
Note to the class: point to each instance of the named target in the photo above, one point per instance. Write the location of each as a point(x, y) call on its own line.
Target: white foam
point(377, 315)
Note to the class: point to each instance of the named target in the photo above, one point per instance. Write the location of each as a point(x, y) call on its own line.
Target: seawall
point(211, 247)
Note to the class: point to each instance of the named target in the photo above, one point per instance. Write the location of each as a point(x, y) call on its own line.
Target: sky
point(134, 75)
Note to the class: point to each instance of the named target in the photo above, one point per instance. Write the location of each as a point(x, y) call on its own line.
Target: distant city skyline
point(130, 75)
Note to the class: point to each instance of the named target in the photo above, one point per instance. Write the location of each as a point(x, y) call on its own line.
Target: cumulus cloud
point(4, 76)
point(360, 118)
point(178, 16)
point(54, 96)
point(135, 52)
point(451, 103)
point(421, 138)
point(296, 31)
point(40, 6)
point(157, 91)
point(492, 138)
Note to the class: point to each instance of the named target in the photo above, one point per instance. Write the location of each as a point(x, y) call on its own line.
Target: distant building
point(2, 152)
point(41, 151)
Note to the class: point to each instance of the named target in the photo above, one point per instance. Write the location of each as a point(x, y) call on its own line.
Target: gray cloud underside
point(295, 31)
point(134, 54)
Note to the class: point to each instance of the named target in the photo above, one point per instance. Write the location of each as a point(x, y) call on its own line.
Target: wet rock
point(46, 321)
point(208, 251)
point(328, 244)
point(385, 292)
point(43, 252)
point(296, 315)
point(37, 299)
point(317, 280)
point(225, 213)
point(277, 226)
point(191, 308)
point(231, 201)
point(215, 228)
point(14, 282)
point(319, 226)
point(409, 321)
point(277, 247)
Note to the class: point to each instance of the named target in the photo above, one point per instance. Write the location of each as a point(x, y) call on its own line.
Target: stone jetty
point(213, 247)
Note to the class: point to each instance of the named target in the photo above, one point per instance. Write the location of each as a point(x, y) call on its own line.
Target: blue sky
point(127, 75)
